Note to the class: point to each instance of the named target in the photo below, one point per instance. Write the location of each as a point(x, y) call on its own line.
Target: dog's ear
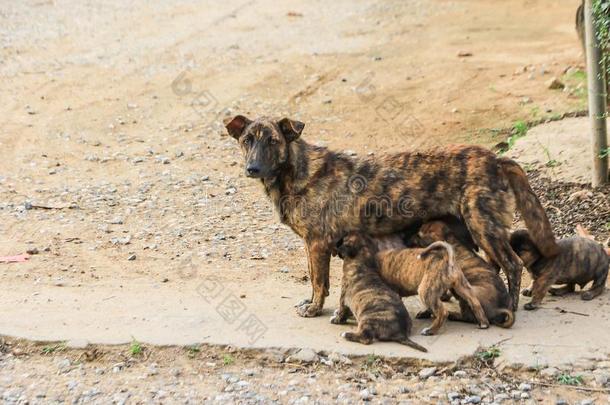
point(290, 129)
point(236, 125)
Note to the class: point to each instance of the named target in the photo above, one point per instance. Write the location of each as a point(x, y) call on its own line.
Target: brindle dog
point(322, 195)
point(486, 284)
point(379, 311)
point(428, 273)
point(581, 260)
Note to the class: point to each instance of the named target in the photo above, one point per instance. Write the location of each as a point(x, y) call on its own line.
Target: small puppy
point(487, 285)
point(429, 273)
point(379, 311)
point(580, 261)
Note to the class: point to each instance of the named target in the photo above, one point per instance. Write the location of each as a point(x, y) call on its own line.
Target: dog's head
point(524, 247)
point(354, 244)
point(264, 142)
point(433, 231)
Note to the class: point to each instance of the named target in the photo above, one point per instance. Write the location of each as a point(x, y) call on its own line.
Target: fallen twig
point(576, 387)
point(565, 311)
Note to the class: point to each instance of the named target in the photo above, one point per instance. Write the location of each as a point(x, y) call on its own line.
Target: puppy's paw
point(526, 292)
point(587, 296)
point(309, 310)
point(343, 334)
point(483, 326)
point(336, 319)
point(427, 332)
point(530, 307)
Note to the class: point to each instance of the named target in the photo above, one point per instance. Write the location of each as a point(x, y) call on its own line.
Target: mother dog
point(322, 195)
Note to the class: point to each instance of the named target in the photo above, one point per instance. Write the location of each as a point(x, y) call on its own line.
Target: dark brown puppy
point(487, 285)
point(581, 260)
point(379, 311)
point(429, 273)
point(322, 195)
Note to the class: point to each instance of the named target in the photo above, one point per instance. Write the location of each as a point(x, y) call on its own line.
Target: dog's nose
point(252, 170)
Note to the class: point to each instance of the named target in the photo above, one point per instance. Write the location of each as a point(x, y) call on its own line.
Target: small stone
point(284, 270)
point(116, 221)
point(32, 251)
point(554, 84)
point(427, 372)
point(525, 387)
point(452, 396)
point(561, 402)
point(525, 395)
point(549, 372)
point(464, 54)
point(231, 191)
point(474, 399)
point(587, 402)
point(131, 257)
point(152, 369)
point(365, 395)
point(460, 374)
point(305, 356)
point(501, 397)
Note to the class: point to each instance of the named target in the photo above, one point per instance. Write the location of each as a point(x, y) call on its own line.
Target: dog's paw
point(343, 334)
point(587, 296)
point(427, 332)
point(483, 326)
point(526, 292)
point(529, 306)
point(336, 319)
point(309, 310)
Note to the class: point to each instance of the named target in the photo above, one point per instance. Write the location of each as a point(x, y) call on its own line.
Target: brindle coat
point(580, 261)
point(379, 311)
point(322, 195)
point(487, 285)
point(429, 273)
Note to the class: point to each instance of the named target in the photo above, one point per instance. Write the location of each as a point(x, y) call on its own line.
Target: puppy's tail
point(530, 208)
point(505, 318)
point(440, 245)
point(408, 342)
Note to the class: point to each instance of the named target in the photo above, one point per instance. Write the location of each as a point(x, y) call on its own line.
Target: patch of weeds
point(373, 364)
point(135, 348)
point(370, 360)
point(535, 111)
point(487, 355)
point(193, 350)
point(550, 162)
point(50, 349)
point(519, 128)
point(607, 226)
point(567, 379)
point(604, 153)
point(227, 359)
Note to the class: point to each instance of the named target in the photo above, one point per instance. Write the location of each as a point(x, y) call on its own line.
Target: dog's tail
point(408, 342)
point(505, 318)
point(440, 245)
point(530, 208)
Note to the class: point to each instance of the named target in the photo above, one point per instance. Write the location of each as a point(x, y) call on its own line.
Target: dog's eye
point(273, 141)
point(249, 139)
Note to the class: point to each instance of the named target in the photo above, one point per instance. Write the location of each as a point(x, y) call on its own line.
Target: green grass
point(567, 379)
point(604, 153)
point(227, 359)
point(135, 348)
point(489, 353)
point(193, 350)
point(59, 347)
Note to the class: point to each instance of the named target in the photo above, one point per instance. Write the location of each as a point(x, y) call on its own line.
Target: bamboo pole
point(597, 98)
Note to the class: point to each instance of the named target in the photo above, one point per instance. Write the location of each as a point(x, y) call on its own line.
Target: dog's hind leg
point(432, 302)
point(361, 336)
point(598, 287)
point(486, 218)
point(464, 290)
point(541, 286)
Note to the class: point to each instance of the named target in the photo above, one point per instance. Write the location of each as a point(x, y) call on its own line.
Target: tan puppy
point(429, 273)
point(581, 261)
point(487, 285)
point(379, 311)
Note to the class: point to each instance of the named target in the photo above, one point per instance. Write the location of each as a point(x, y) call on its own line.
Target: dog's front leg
point(318, 261)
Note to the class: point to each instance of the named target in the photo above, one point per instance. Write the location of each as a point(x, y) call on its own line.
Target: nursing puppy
point(379, 311)
point(428, 273)
point(580, 261)
point(486, 284)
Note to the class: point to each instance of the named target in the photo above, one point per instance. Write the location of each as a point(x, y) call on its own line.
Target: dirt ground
point(117, 171)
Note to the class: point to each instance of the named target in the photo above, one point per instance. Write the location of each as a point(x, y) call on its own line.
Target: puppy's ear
point(290, 129)
point(235, 126)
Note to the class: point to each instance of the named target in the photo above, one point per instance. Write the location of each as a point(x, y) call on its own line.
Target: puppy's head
point(354, 244)
point(432, 231)
point(524, 247)
point(264, 142)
